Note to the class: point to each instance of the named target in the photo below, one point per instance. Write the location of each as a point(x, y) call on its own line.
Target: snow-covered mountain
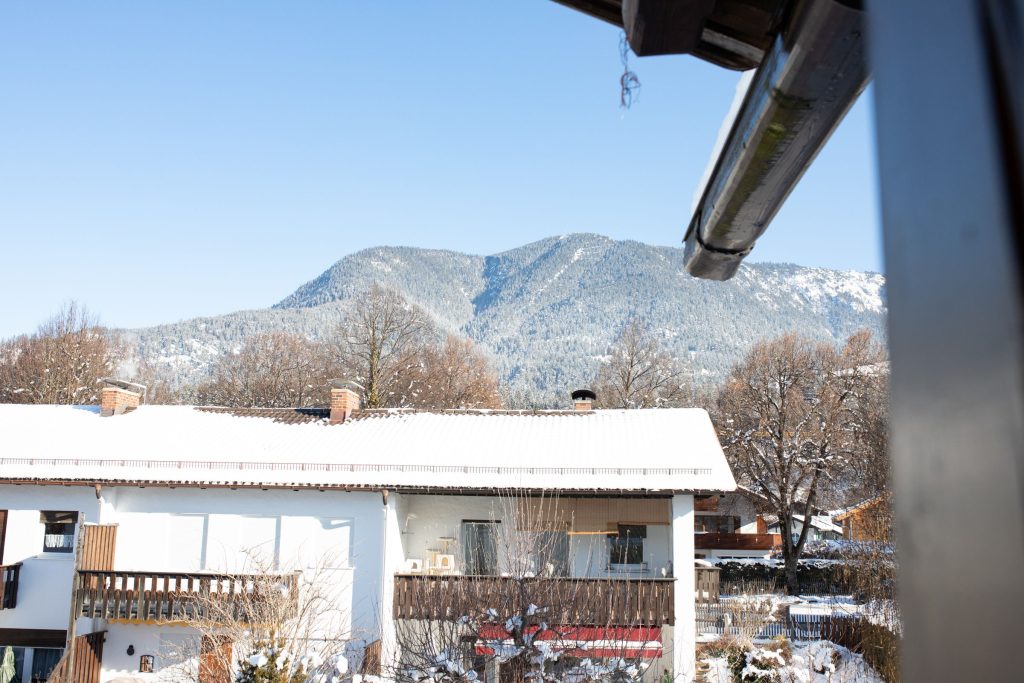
point(547, 311)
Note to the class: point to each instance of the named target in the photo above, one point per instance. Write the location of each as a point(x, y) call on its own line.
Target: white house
point(112, 518)
point(729, 525)
point(822, 528)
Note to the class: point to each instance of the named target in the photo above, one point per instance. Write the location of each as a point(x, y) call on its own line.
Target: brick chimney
point(344, 400)
point(583, 399)
point(118, 396)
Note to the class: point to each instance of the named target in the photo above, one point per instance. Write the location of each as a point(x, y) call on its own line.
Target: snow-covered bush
point(268, 662)
point(271, 663)
point(760, 664)
point(781, 662)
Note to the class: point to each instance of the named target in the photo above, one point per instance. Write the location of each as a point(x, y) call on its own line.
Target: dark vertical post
point(949, 163)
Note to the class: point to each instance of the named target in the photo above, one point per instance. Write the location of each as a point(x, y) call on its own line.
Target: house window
point(716, 524)
point(44, 659)
point(58, 531)
point(550, 554)
point(479, 548)
point(627, 546)
point(19, 660)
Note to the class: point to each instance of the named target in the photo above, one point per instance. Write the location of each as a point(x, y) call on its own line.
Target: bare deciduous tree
point(274, 370)
point(379, 344)
point(871, 565)
point(263, 626)
point(62, 362)
point(639, 372)
point(455, 375)
point(788, 420)
point(159, 380)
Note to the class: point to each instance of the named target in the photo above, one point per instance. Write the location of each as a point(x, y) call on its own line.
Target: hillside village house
point(113, 518)
point(868, 520)
point(729, 526)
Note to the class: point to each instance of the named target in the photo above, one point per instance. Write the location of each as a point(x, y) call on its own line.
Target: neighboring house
point(114, 517)
point(729, 525)
point(822, 527)
point(869, 520)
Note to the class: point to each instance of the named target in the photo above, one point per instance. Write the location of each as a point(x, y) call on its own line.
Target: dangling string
point(629, 82)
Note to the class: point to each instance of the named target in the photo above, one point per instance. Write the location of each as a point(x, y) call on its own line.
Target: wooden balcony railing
point(716, 541)
point(593, 602)
point(161, 596)
point(9, 585)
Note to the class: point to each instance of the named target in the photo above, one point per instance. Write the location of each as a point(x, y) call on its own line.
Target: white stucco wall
point(337, 534)
point(44, 584)
point(684, 632)
point(589, 553)
point(167, 645)
point(427, 519)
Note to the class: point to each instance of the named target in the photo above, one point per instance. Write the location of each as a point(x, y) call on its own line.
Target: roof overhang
point(98, 484)
point(734, 34)
point(811, 67)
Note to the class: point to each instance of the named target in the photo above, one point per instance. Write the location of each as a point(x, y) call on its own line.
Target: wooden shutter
point(98, 544)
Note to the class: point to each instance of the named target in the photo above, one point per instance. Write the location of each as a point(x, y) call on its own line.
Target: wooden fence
point(149, 596)
point(707, 584)
point(718, 620)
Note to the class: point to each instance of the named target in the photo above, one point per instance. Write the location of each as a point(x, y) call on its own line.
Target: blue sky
point(218, 155)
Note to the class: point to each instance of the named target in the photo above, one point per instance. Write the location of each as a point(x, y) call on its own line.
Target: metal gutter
point(809, 79)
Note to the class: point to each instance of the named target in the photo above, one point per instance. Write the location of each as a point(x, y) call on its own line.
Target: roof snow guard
point(626, 450)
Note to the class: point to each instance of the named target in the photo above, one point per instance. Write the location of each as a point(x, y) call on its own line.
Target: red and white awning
point(638, 642)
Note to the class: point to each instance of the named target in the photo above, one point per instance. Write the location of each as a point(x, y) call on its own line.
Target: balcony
point(578, 601)
point(9, 585)
point(718, 541)
point(162, 596)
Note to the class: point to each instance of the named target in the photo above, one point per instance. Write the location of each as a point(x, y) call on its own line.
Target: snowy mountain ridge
point(547, 311)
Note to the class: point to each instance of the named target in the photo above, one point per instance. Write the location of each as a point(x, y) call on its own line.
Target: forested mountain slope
point(547, 311)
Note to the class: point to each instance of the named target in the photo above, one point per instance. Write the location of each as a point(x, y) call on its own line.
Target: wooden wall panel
point(705, 503)
point(88, 657)
point(215, 660)
point(99, 542)
point(592, 515)
point(33, 637)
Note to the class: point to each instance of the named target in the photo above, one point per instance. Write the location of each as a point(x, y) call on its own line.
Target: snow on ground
point(817, 662)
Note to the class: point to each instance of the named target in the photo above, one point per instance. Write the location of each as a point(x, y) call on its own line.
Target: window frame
point(481, 555)
point(628, 540)
point(59, 523)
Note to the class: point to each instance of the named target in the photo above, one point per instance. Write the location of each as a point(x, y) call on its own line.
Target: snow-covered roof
point(822, 522)
point(635, 450)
